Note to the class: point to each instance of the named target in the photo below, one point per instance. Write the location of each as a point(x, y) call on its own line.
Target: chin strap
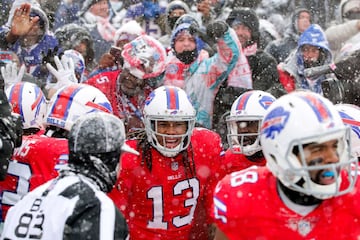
point(297, 197)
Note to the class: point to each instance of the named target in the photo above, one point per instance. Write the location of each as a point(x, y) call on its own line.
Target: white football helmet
point(350, 115)
point(28, 100)
point(168, 103)
point(248, 107)
point(144, 57)
point(71, 102)
point(302, 118)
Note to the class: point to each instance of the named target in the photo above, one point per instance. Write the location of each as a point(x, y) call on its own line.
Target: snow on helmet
point(301, 118)
point(168, 103)
point(79, 62)
point(144, 57)
point(73, 101)
point(29, 102)
point(350, 115)
point(248, 107)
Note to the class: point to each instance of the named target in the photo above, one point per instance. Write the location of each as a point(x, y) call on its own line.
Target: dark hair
point(188, 161)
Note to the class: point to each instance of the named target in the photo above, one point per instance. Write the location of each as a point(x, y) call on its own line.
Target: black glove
point(196, 31)
point(6, 152)
point(10, 133)
point(333, 90)
point(48, 57)
point(10, 123)
point(216, 29)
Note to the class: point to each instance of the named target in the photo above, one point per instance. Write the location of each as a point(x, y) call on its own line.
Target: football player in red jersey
point(164, 192)
point(243, 126)
point(142, 69)
point(307, 190)
point(40, 156)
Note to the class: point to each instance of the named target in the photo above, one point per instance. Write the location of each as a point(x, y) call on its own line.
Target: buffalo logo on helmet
point(274, 122)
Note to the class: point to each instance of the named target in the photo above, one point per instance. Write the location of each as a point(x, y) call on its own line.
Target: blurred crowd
point(189, 84)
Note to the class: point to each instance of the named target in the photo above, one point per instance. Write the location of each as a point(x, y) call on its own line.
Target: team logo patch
point(172, 69)
point(275, 122)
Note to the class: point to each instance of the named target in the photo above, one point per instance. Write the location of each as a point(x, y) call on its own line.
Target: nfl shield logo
point(174, 166)
point(304, 227)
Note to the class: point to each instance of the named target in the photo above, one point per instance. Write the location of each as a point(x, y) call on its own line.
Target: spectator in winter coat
point(96, 16)
point(344, 37)
point(74, 36)
point(281, 48)
point(262, 66)
point(67, 12)
point(174, 10)
point(201, 77)
point(113, 59)
point(313, 50)
point(150, 14)
point(28, 36)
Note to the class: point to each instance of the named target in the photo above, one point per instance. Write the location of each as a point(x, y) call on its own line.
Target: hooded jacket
point(291, 72)
point(202, 78)
point(32, 56)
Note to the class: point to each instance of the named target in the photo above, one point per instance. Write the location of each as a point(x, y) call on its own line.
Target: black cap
point(247, 17)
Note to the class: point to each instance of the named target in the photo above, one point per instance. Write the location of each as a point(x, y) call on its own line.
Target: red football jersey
point(163, 203)
point(36, 161)
point(236, 162)
point(106, 83)
point(127, 108)
point(247, 206)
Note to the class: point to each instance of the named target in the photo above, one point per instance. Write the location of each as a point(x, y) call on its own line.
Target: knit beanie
point(247, 17)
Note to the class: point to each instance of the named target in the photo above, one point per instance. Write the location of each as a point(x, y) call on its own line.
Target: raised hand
point(64, 73)
point(11, 74)
point(22, 22)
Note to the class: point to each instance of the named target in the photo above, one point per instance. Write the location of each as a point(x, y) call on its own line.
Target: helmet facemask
point(299, 175)
point(244, 142)
point(158, 140)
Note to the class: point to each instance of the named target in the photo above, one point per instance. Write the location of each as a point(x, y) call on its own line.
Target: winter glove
point(10, 133)
point(65, 73)
point(11, 75)
point(48, 57)
point(10, 138)
point(216, 29)
point(196, 31)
